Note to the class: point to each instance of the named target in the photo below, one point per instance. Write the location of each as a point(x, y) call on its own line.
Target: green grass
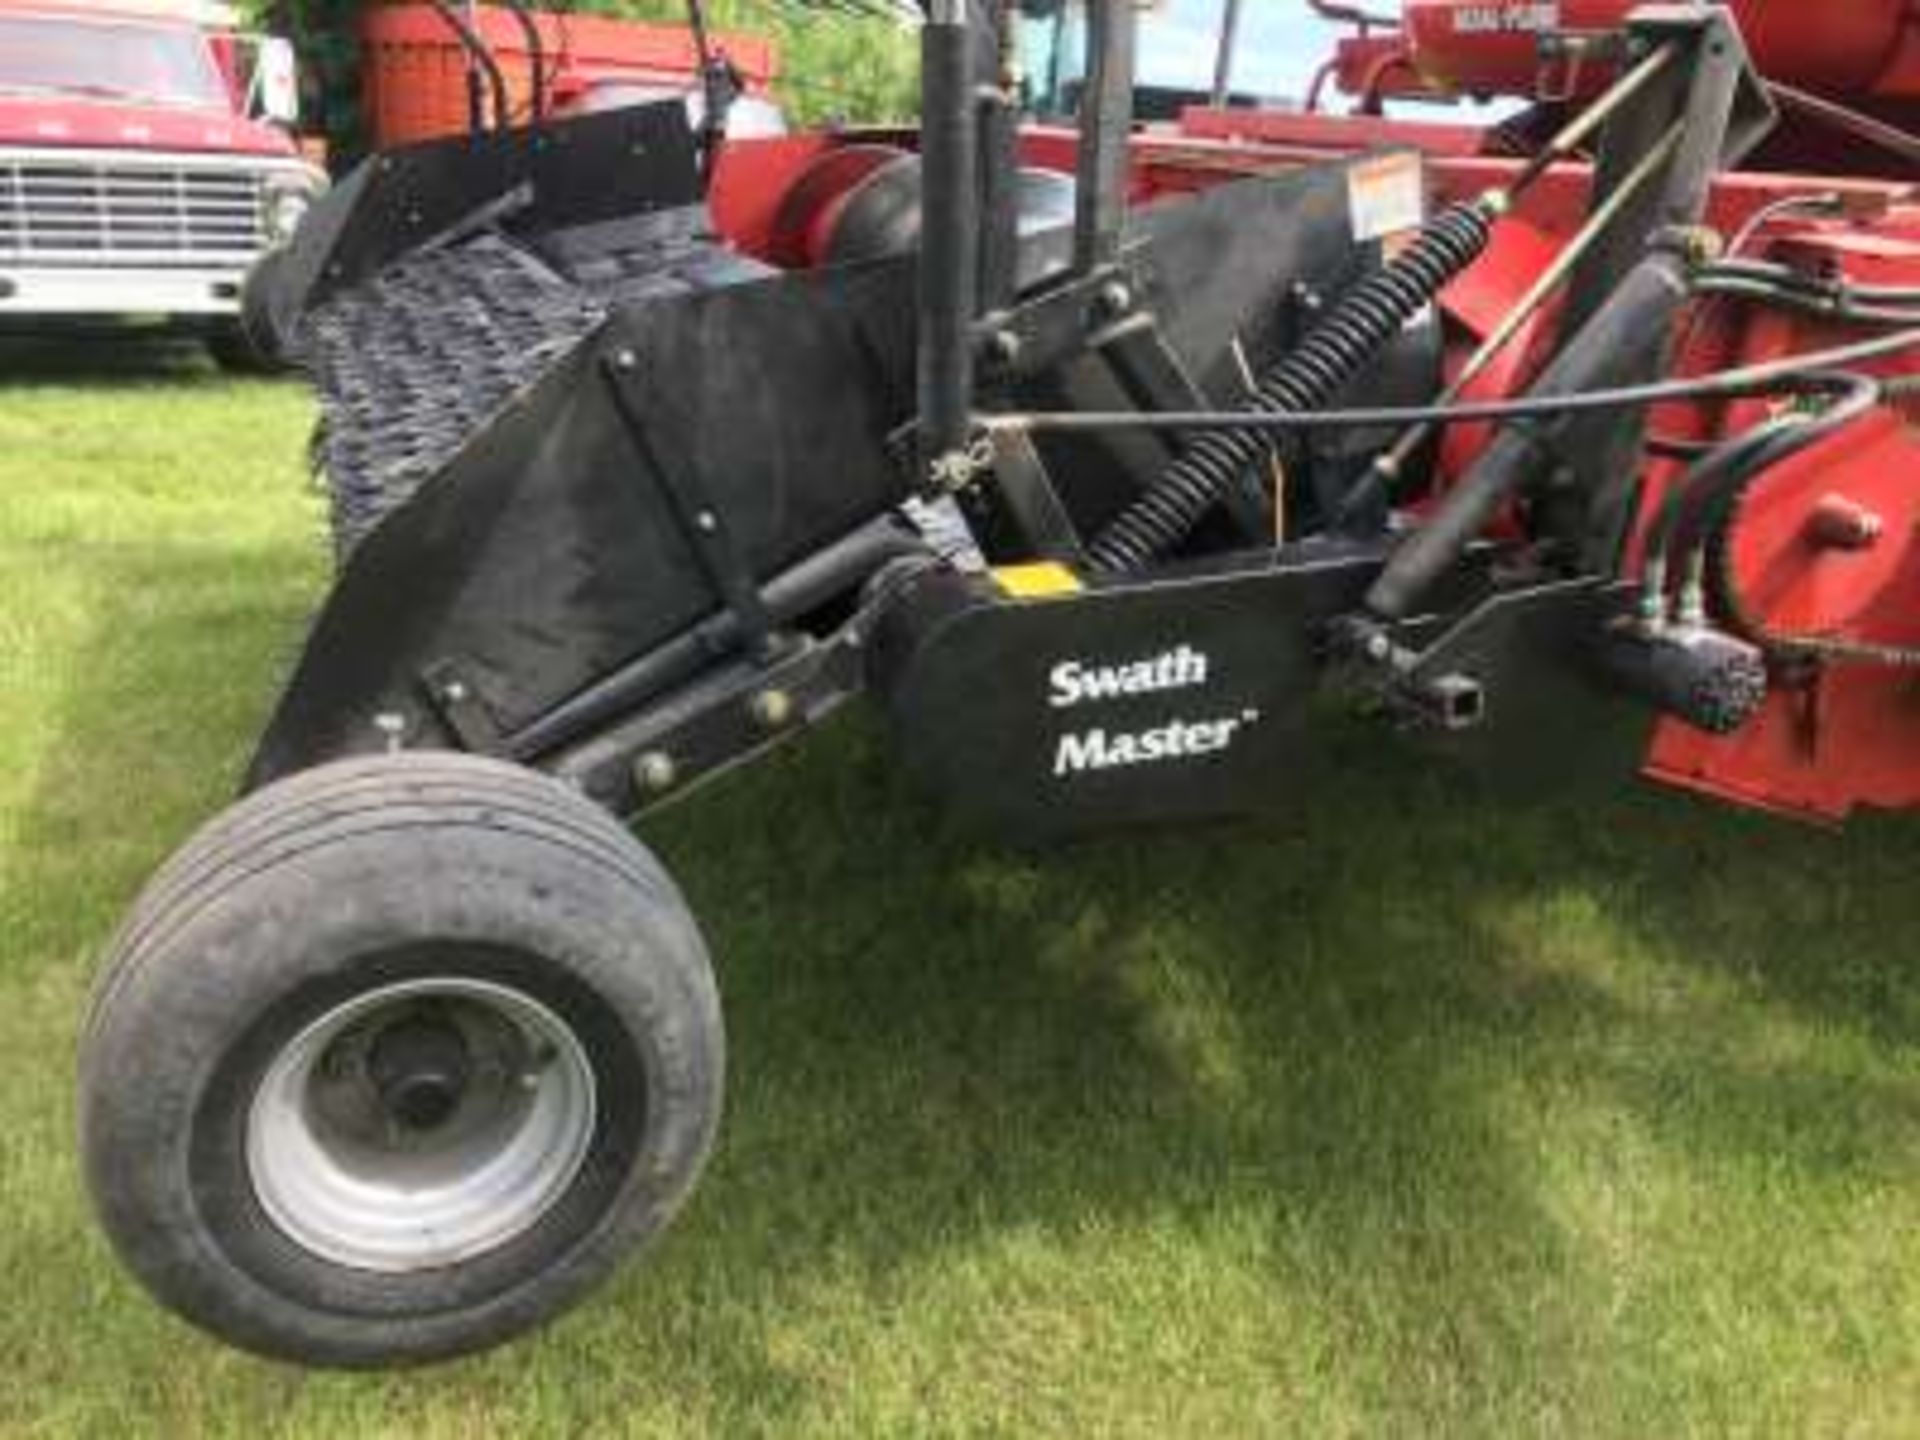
point(1412, 1111)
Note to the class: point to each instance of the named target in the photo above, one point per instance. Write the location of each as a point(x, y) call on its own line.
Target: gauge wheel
point(395, 1060)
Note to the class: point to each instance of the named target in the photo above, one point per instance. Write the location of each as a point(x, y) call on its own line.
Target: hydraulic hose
point(536, 57)
point(1695, 506)
point(482, 56)
point(1719, 512)
point(1339, 348)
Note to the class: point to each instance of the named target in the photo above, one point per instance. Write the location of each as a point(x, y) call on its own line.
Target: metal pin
point(655, 771)
point(393, 730)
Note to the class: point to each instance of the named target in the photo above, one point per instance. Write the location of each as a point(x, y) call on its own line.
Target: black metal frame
point(620, 452)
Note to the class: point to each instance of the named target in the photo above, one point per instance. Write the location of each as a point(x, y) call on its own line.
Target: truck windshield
point(154, 64)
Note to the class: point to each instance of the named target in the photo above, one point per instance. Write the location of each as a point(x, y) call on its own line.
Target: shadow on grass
point(1321, 1020)
point(116, 358)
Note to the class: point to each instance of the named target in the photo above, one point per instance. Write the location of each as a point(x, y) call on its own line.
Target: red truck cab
point(135, 180)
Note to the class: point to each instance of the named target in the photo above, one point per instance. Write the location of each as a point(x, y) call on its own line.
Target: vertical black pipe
point(1106, 123)
point(950, 241)
point(1000, 164)
point(1223, 61)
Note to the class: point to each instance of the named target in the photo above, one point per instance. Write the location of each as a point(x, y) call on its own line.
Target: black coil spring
point(1359, 327)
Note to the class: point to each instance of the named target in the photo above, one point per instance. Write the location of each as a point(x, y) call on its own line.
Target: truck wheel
point(395, 1060)
point(235, 350)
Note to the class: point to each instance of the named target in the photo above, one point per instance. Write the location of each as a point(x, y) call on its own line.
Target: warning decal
point(1388, 195)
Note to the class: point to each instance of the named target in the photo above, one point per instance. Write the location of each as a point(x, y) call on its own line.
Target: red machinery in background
point(416, 79)
point(1866, 52)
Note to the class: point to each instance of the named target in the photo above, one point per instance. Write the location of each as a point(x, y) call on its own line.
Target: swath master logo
point(1075, 683)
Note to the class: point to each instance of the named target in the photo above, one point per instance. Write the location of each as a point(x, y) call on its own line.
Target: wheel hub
point(420, 1125)
point(420, 1068)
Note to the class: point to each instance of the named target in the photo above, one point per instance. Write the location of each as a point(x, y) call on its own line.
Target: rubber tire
point(329, 884)
point(236, 351)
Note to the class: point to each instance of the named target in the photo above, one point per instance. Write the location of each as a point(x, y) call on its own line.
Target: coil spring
point(1360, 326)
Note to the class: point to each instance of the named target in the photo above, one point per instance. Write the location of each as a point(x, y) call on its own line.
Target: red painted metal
point(1855, 49)
point(414, 84)
point(103, 125)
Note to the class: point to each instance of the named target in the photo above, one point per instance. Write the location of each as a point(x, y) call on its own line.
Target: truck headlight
point(283, 206)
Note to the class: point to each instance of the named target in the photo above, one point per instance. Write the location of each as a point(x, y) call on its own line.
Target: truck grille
point(72, 212)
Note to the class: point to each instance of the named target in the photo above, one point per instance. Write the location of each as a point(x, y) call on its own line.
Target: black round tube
point(950, 236)
point(1629, 330)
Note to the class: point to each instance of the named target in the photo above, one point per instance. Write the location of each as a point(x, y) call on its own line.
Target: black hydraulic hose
point(1706, 515)
point(1365, 320)
point(1828, 306)
point(1688, 511)
point(1769, 379)
point(1766, 272)
point(714, 101)
point(1728, 489)
point(536, 57)
point(481, 54)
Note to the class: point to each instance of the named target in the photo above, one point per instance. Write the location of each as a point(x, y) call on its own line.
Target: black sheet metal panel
point(1206, 696)
point(548, 553)
point(565, 173)
point(550, 550)
point(1228, 266)
point(1553, 716)
point(1178, 698)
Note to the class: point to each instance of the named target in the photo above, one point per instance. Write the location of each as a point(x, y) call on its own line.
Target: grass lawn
point(1414, 1111)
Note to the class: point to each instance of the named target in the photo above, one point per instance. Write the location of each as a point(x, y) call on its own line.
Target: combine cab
point(1114, 468)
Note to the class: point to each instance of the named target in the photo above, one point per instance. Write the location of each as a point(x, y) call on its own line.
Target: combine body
point(1118, 466)
point(1860, 51)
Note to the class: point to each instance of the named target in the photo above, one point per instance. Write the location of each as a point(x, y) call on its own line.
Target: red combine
point(1118, 467)
point(143, 167)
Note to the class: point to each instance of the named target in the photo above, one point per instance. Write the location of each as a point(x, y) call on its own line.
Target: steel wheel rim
point(346, 1180)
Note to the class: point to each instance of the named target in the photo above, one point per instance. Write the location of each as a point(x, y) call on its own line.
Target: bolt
point(655, 771)
point(1379, 648)
point(455, 692)
point(706, 522)
point(772, 708)
point(1838, 523)
point(1004, 346)
point(393, 730)
point(625, 360)
point(1115, 299)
